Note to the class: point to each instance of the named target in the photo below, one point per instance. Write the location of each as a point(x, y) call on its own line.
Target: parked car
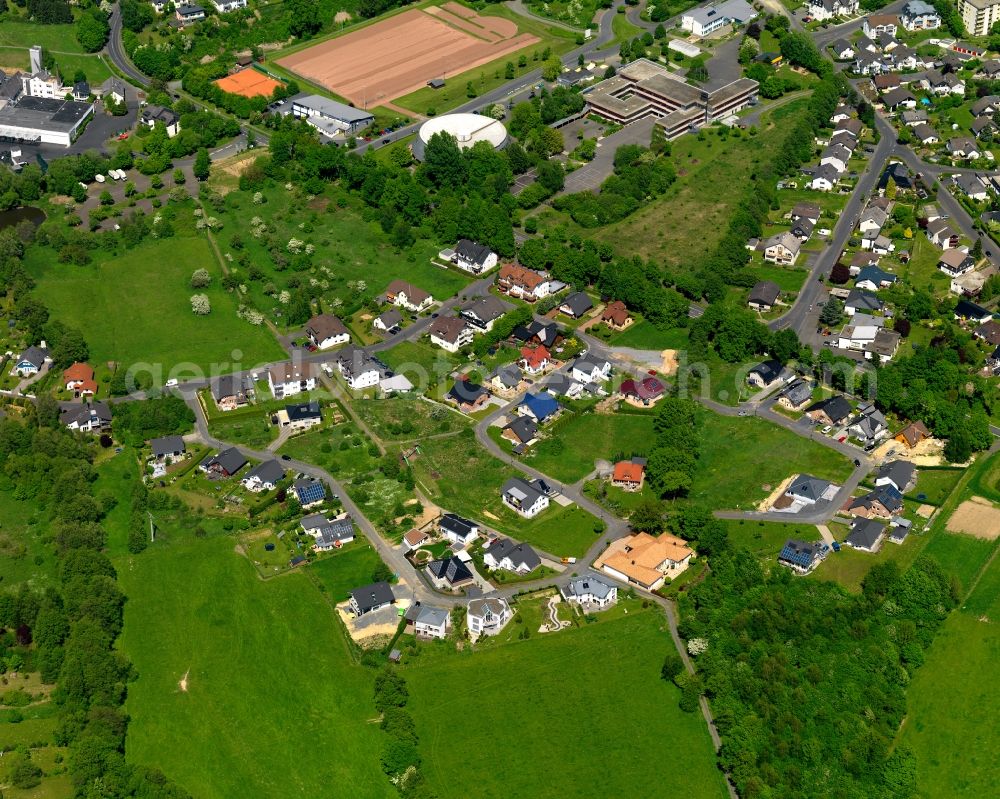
point(826, 429)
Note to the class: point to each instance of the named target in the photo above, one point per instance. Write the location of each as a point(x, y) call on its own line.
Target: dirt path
point(183, 684)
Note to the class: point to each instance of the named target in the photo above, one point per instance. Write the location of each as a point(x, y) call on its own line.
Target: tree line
point(67, 631)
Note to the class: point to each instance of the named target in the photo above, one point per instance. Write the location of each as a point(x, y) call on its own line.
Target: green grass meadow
point(579, 713)
point(954, 700)
point(274, 700)
point(740, 456)
point(136, 309)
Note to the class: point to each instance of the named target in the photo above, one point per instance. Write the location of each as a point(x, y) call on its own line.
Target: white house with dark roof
point(31, 361)
point(358, 368)
point(263, 477)
point(425, 621)
point(457, 529)
point(488, 616)
point(370, 598)
point(87, 418)
point(167, 447)
point(473, 257)
point(590, 593)
point(523, 497)
point(588, 369)
point(899, 474)
point(509, 556)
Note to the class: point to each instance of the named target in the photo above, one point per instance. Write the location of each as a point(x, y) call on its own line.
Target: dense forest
point(808, 682)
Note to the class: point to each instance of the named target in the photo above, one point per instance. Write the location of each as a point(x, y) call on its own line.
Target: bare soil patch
point(400, 54)
point(977, 517)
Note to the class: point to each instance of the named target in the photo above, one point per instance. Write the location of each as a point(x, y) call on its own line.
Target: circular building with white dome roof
point(468, 129)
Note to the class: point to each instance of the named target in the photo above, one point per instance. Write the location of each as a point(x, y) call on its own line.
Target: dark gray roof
point(473, 251)
point(899, 472)
point(764, 293)
point(86, 414)
point(337, 530)
point(229, 460)
point(452, 570)
point(798, 392)
point(372, 596)
point(466, 392)
point(808, 487)
point(304, 410)
point(836, 408)
point(34, 355)
point(522, 490)
point(524, 427)
point(390, 318)
point(313, 521)
point(509, 375)
point(167, 445)
point(519, 554)
point(769, 371)
point(485, 309)
point(865, 533)
point(863, 300)
point(885, 495)
point(578, 303)
point(267, 472)
point(456, 525)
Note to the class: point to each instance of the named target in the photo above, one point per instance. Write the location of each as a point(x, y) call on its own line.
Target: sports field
point(248, 83)
point(581, 713)
point(399, 54)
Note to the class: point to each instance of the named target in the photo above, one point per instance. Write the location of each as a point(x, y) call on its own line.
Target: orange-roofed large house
point(79, 378)
point(526, 284)
point(534, 359)
point(645, 560)
point(628, 475)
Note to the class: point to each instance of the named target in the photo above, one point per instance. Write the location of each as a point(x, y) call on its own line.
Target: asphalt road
point(116, 51)
point(804, 313)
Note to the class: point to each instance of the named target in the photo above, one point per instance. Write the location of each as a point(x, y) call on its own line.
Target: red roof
point(650, 388)
point(534, 356)
point(79, 371)
point(627, 472)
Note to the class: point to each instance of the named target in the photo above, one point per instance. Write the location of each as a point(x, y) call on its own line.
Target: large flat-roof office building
point(643, 88)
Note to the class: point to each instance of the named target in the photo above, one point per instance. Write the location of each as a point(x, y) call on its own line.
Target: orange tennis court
point(248, 83)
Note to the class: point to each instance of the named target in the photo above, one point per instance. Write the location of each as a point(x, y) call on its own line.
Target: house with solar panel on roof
point(802, 557)
point(309, 491)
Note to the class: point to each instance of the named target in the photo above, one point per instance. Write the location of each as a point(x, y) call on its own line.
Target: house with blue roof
point(873, 278)
point(538, 406)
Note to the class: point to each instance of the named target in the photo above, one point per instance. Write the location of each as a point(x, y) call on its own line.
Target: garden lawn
point(421, 363)
point(403, 418)
point(644, 336)
point(269, 674)
point(936, 484)
point(739, 456)
point(954, 700)
point(765, 539)
point(581, 679)
point(23, 533)
point(662, 231)
point(574, 442)
point(787, 278)
point(252, 430)
point(135, 308)
point(342, 450)
point(341, 571)
point(457, 474)
point(849, 566)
